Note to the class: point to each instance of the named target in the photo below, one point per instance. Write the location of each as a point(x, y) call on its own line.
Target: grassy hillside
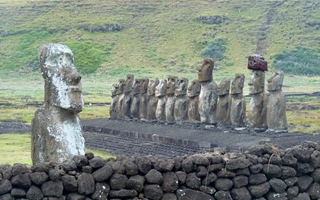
point(157, 36)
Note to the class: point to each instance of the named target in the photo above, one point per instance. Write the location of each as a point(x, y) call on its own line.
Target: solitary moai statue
point(56, 129)
point(136, 96)
point(143, 99)
point(120, 97)
point(193, 105)
point(160, 93)
point(276, 112)
point(181, 104)
point(171, 99)
point(152, 100)
point(208, 93)
point(257, 113)
point(238, 105)
point(224, 103)
point(114, 100)
point(127, 97)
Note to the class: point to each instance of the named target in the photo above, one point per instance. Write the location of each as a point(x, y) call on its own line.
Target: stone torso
point(238, 110)
point(257, 113)
point(276, 112)
point(181, 108)
point(161, 108)
point(208, 102)
point(169, 110)
point(223, 109)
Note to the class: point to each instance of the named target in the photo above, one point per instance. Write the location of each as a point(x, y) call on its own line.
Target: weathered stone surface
point(123, 193)
point(143, 99)
point(304, 183)
point(223, 184)
point(291, 181)
point(208, 94)
point(259, 190)
point(316, 175)
point(136, 182)
point(287, 172)
point(153, 191)
point(209, 179)
point(52, 189)
point(103, 173)
point(202, 171)
point(187, 165)
point(240, 194)
point(270, 169)
point(254, 169)
point(127, 97)
point(240, 181)
point(200, 160)
point(278, 185)
point(225, 174)
point(169, 196)
point(80, 160)
point(97, 162)
point(237, 163)
point(208, 189)
point(152, 100)
point(114, 101)
point(164, 164)
point(189, 194)
point(257, 62)
point(257, 112)
point(276, 108)
point(86, 184)
point(143, 163)
point(34, 193)
point(18, 192)
point(193, 104)
point(54, 174)
point(223, 195)
point(171, 99)
point(131, 168)
point(224, 103)
point(244, 171)
point(292, 192)
point(160, 94)
point(136, 97)
point(154, 176)
point(69, 183)
point(119, 98)
point(302, 155)
point(302, 196)
point(215, 167)
point(170, 182)
point(118, 167)
point(5, 186)
point(87, 169)
point(101, 191)
point(40, 167)
point(238, 105)
point(56, 129)
point(256, 179)
point(304, 168)
point(118, 181)
point(75, 196)
point(6, 197)
point(315, 159)
point(21, 180)
point(38, 178)
point(19, 169)
point(193, 181)
point(182, 176)
point(181, 103)
point(289, 159)
point(69, 165)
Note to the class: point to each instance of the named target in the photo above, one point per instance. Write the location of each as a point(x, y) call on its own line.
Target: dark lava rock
point(240, 193)
point(80, 160)
point(223, 184)
point(240, 181)
point(21, 180)
point(256, 179)
point(193, 181)
point(52, 189)
point(144, 164)
point(103, 173)
point(136, 182)
point(223, 195)
point(259, 190)
point(170, 182)
point(153, 191)
point(154, 176)
point(304, 183)
point(189, 194)
point(34, 193)
point(38, 178)
point(254, 169)
point(238, 163)
point(69, 183)
point(86, 184)
point(123, 193)
point(97, 162)
point(278, 185)
point(131, 168)
point(118, 181)
point(182, 176)
point(101, 192)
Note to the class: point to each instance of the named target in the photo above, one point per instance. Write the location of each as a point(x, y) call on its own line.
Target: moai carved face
point(136, 86)
point(224, 87)
point(144, 85)
point(62, 81)
point(152, 87)
point(237, 84)
point(128, 84)
point(256, 83)
point(114, 89)
point(194, 89)
point(161, 88)
point(205, 72)
point(275, 81)
point(182, 85)
point(121, 85)
point(171, 85)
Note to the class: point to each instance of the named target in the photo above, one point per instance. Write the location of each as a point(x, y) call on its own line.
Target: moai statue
point(276, 112)
point(120, 95)
point(171, 99)
point(257, 113)
point(160, 93)
point(224, 103)
point(193, 105)
point(127, 97)
point(181, 104)
point(208, 93)
point(114, 99)
point(238, 105)
point(56, 130)
point(136, 99)
point(152, 100)
point(143, 99)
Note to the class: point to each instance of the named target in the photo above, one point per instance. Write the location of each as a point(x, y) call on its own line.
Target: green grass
point(15, 148)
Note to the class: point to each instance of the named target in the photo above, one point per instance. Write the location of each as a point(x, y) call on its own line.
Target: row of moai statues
point(172, 101)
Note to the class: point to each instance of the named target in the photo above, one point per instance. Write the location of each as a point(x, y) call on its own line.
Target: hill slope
point(143, 37)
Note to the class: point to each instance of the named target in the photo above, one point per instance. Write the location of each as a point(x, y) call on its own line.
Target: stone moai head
point(275, 81)
point(171, 85)
point(237, 84)
point(152, 87)
point(161, 88)
point(258, 66)
point(224, 86)
point(62, 81)
point(205, 72)
point(144, 85)
point(128, 83)
point(136, 86)
point(121, 85)
point(257, 62)
point(182, 86)
point(114, 90)
point(194, 89)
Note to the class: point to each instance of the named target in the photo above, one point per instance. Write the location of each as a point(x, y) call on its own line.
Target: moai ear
point(42, 59)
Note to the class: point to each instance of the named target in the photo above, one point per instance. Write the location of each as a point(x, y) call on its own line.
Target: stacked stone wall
point(262, 172)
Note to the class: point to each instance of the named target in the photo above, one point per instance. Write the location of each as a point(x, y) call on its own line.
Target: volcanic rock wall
point(262, 172)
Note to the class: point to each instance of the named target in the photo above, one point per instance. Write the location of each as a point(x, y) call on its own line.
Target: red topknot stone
point(257, 62)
